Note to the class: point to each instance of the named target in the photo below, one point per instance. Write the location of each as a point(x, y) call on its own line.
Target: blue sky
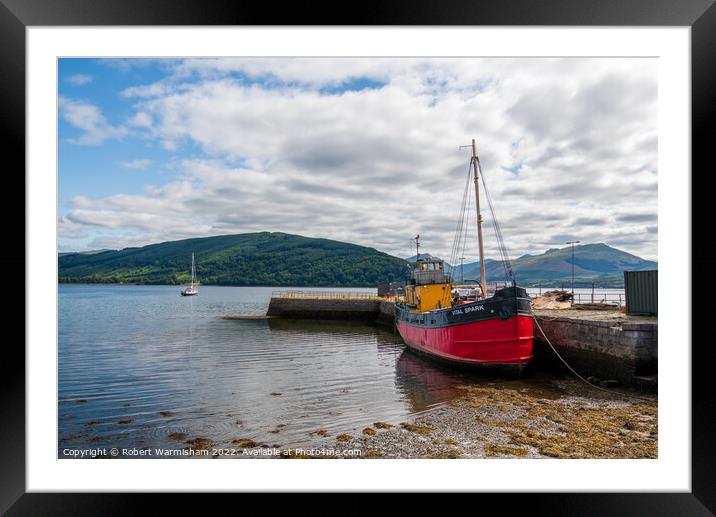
point(127, 165)
point(99, 170)
point(355, 149)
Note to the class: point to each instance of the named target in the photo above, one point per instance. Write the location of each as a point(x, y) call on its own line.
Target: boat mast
point(483, 285)
point(193, 272)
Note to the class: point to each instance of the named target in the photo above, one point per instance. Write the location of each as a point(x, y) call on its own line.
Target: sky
point(362, 150)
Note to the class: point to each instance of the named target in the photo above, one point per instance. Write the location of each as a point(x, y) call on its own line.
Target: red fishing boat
point(490, 328)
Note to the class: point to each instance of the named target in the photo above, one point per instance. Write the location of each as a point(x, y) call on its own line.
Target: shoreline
point(566, 420)
point(59, 282)
point(534, 417)
point(225, 285)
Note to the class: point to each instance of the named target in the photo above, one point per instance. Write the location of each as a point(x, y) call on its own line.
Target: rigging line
point(456, 237)
point(457, 228)
point(461, 232)
point(464, 240)
point(496, 224)
point(466, 216)
point(507, 264)
point(460, 223)
point(502, 250)
point(496, 227)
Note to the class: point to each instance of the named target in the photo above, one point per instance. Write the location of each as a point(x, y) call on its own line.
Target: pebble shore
point(573, 420)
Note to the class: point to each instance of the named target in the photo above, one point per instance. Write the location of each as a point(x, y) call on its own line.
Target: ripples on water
point(165, 364)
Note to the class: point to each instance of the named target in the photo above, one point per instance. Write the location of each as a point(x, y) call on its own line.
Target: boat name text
point(468, 309)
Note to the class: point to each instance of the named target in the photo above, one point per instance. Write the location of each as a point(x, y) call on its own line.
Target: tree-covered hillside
point(271, 259)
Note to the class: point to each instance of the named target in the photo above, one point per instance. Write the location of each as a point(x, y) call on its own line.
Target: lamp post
point(573, 243)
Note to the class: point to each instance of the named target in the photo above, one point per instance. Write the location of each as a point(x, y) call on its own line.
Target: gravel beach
point(562, 419)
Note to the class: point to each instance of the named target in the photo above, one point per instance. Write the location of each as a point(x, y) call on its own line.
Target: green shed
point(642, 292)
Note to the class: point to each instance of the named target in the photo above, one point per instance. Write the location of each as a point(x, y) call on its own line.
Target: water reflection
point(426, 384)
point(142, 366)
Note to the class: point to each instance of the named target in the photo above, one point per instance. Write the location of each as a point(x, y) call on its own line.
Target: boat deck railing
point(325, 295)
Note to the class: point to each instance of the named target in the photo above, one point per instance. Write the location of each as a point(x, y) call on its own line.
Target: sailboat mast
point(483, 285)
point(193, 271)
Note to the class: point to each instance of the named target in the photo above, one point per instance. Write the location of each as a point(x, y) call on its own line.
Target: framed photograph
point(420, 242)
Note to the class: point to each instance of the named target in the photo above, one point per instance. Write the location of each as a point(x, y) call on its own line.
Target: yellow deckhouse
point(429, 287)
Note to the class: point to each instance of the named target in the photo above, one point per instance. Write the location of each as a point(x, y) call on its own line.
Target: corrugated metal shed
point(642, 291)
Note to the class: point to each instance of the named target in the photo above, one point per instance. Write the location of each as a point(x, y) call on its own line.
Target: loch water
point(138, 365)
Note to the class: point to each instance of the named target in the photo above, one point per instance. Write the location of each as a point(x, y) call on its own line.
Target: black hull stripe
point(505, 304)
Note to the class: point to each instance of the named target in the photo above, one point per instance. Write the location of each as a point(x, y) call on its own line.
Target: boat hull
point(497, 332)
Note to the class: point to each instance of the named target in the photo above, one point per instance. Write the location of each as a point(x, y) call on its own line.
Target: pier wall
point(324, 308)
point(617, 350)
point(386, 313)
point(606, 349)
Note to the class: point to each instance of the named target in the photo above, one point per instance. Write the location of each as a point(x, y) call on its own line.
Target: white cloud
point(78, 79)
point(88, 118)
point(137, 164)
point(379, 165)
point(141, 119)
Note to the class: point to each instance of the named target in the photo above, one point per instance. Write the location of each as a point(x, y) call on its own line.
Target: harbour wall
point(607, 349)
point(325, 308)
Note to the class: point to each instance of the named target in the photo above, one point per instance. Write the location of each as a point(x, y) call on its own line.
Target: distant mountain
point(271, 259)
point(476, 265)
point(469, 270)
point(422, 256)
point(597, 263)
point(280, 259)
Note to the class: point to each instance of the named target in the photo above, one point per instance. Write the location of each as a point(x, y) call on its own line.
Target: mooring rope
point(534, 317)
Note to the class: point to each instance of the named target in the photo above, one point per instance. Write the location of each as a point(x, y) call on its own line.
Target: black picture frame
point(700, 15)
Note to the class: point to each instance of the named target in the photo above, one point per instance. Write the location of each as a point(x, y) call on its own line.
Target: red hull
point(488, 342)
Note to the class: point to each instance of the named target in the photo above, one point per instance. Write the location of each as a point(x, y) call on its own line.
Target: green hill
point(270, 259)
point(597, 263)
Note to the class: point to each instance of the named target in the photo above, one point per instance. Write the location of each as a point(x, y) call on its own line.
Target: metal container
point(642, 292)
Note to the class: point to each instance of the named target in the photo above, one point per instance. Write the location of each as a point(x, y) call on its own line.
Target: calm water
point(163, 364)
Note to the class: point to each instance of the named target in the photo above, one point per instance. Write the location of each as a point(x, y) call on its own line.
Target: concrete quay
point(606, 345)
point(325, 308)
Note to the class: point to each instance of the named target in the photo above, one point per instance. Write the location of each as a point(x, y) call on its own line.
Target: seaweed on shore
point(199, 443)
point(244, 443)
point(494, 450)
point(416, 429)
point(568, 427)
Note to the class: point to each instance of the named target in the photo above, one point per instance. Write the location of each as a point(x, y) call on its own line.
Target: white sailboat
point(193, 289)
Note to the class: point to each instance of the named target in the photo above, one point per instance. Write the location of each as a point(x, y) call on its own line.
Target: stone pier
point(604, 345)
